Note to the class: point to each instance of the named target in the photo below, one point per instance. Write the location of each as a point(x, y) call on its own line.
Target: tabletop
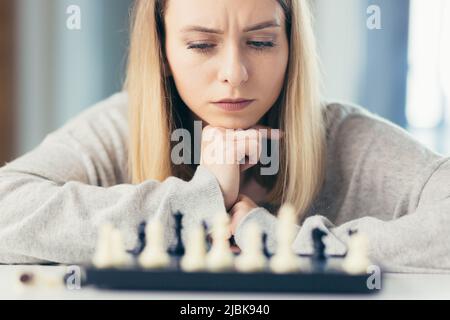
point(49, 285)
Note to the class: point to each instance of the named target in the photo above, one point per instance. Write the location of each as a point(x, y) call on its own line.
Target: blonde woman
point(341, 167)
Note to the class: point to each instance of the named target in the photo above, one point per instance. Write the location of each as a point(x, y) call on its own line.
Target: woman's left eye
point(262, 45)
point(256, 45)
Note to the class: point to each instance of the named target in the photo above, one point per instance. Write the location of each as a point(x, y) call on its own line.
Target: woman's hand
point(240, 210)
point(223, 152)
point(214, 155)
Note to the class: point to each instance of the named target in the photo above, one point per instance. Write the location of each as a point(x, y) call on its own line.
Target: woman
point(340, 166)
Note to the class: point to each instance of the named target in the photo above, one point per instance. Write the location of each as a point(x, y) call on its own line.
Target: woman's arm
point(384, 184)
point(53, 199)
point(419, 242)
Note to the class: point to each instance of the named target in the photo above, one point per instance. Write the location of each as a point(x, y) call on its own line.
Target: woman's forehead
point(217, 16)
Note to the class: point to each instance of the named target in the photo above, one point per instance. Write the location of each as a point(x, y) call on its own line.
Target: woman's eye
point(261, 45)
point(201, 47)
point(256, 45)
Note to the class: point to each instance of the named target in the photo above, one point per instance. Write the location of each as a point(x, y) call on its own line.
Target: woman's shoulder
point(352, 125)
point(356, 135)
point(338, 114)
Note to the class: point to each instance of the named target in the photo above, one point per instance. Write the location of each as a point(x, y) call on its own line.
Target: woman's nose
point(233, 69)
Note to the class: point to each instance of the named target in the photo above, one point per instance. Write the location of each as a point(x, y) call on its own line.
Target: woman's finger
point(268, 132)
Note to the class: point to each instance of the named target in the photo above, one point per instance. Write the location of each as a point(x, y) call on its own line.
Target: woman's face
point(228, 63)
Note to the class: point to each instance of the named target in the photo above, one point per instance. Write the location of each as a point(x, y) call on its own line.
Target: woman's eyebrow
point(258, 26)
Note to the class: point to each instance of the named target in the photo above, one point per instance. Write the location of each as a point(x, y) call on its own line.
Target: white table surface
point(394, 286)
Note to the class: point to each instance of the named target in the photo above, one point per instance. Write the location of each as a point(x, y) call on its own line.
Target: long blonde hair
point(155, 106)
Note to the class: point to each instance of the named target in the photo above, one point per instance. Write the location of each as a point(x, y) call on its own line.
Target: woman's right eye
point(201, 47)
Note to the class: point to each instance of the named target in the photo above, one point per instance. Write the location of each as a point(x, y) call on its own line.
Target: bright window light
point(429, 64)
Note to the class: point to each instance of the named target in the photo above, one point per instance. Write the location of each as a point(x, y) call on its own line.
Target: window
point(428, 87)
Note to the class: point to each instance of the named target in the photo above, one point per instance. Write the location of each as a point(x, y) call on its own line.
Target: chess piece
point(285, 260)
point(356, 260)
point(141, 240)
point(208, 237)
point(110, 251)
point(178, 249)
point(119, 256)
point(195, 256)
point(252, 258)
point(318, 245)
point(154, 255)
point(103, 251)
point(264, 242)
point(220, 257)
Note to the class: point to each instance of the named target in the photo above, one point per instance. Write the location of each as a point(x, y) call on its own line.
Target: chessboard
point(327, 278)
point(211, 266)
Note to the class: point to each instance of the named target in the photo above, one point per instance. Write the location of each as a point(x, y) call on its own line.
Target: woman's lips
point(235, 106)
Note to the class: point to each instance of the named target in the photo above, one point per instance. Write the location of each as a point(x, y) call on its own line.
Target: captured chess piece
point(220, 257)
point(285, 260)
point(252, 258)
point(154, 255)
point(195, 256)
point(357, 261)
point(110, 251)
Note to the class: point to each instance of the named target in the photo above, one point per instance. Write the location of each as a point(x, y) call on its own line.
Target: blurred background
point(392, 57)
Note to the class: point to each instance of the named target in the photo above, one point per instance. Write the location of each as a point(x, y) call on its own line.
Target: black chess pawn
point(207, 236)
point(319, 246)
point(178, 249)
point(264, 245)
point(136, 251)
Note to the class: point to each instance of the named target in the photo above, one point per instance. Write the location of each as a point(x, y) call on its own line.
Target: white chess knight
point(356, 260)
point(110, 250)
point(154, 255)
point(195, 256)
point(220, 256)
point(252, 258)
point(285, 260)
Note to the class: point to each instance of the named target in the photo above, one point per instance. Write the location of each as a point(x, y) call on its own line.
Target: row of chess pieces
point(195, 256)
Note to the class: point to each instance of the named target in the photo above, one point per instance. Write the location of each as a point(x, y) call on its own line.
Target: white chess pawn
point(103, 253)
point(356, 260)
point(195, 256)
point(119, 256)
point(220, 256)
point(285, 260)
point(154, 255)
point(252, 258)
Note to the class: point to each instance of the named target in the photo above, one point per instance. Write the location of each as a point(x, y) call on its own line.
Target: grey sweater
point(379, 180)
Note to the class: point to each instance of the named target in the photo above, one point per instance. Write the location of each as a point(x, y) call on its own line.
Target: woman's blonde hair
point(155, 108)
